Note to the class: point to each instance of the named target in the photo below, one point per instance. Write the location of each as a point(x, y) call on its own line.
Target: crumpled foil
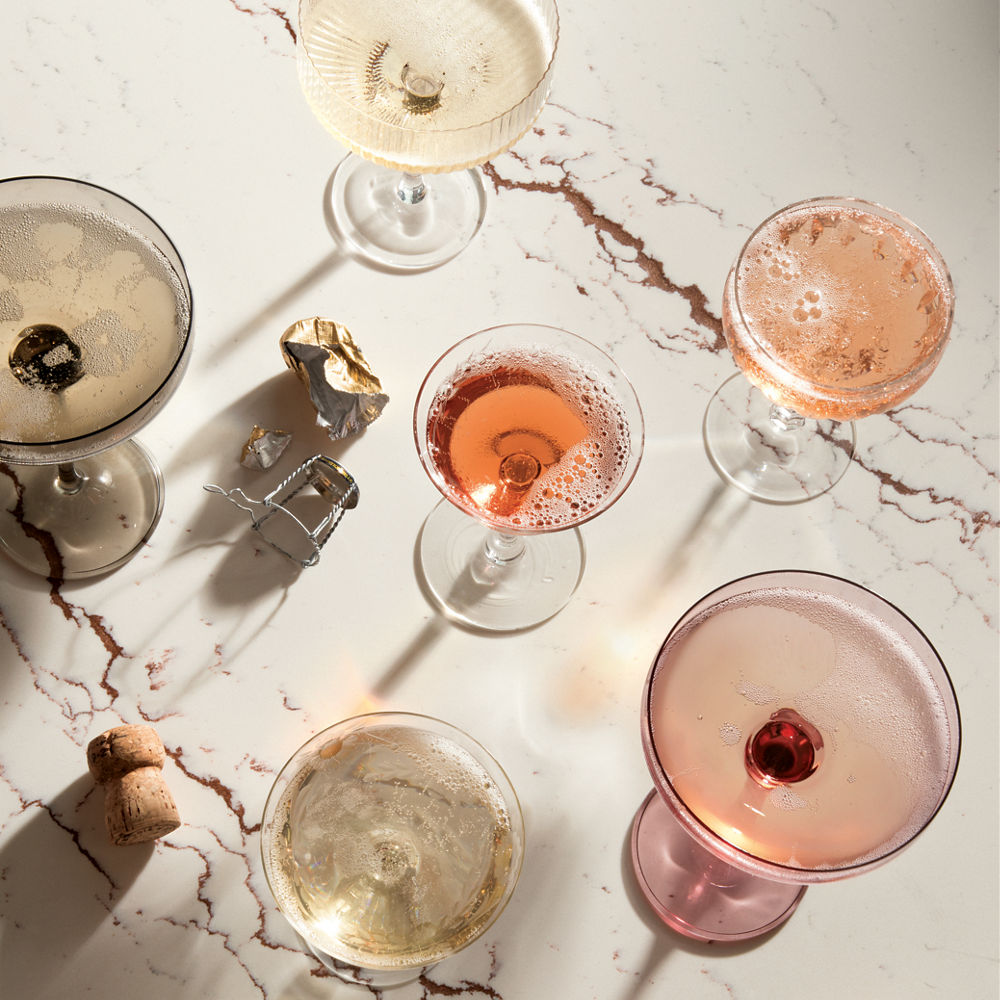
point(346, 393)
point(263, 448)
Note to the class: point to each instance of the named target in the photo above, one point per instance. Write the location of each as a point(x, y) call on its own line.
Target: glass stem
point(411, 189)
point(501, 549)
point(784, 419)
point(69, 481)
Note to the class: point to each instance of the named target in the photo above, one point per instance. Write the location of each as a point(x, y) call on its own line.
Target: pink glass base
point(696, 893)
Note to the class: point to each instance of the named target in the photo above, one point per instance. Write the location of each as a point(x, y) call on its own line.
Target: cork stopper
point(128, 762)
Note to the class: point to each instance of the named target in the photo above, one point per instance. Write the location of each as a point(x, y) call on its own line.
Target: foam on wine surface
point(536, 402)
point(837, 312)
point(115, 296)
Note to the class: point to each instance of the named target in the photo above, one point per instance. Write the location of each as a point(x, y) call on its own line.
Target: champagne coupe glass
point(835, 309)
point(391, 841)
point(95, 330)
point(418, 88)
point(528, 431)
point(798, 729)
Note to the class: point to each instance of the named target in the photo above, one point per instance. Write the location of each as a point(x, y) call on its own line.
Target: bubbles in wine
point(390, 849)
point(836, 311)
point(541, 407)
point(847, 672)
point(118, 301)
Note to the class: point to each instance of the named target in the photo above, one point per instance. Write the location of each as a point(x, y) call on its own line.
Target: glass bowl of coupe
point(528, 431)
point(95, 326)
point(835, 309)
point(421, 91)
point(798, 729)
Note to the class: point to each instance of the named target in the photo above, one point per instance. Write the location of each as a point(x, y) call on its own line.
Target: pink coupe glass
point(798, 729)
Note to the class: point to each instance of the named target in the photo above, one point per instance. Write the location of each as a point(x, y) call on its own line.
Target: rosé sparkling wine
point(529, 439)
point(799, 729)
point(528, 431)
point(837, 312)
point(391, 844)
point(835, 309)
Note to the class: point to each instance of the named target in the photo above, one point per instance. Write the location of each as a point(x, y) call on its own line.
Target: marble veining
point(670, 133)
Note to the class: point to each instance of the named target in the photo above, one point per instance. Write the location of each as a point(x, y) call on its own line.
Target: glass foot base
point(498, 596)
point(772, 463)
point(696, 893)
point(370, 216)
point(67, 528)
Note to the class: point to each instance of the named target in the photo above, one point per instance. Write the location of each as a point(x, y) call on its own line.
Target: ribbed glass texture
point(427, 87)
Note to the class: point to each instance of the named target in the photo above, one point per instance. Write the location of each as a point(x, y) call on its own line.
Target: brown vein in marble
point(277, 11)
point(215, 785)
point(97, 625)
point(206, 901)
point(74, 835)
point(607, 230)
point(975, 521)
point(63, 705)
point(44, 538)
point(466, 987)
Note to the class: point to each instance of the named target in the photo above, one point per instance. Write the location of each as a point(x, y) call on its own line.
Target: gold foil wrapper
point(345, 392)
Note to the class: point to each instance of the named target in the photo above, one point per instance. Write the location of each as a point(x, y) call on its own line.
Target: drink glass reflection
point(798, 729)
point(391, 841)
point(835, 309)
point(528, 431)
point(421, 91)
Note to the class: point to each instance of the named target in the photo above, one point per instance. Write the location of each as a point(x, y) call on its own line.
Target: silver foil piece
point(345, 392)
point(263, 448)
point(301, 513)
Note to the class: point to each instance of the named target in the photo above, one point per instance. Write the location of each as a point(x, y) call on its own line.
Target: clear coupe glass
point(527, 431)
point(391, 841)
point(422, 91)
point(798, 729)
point(835, 309)
point(95, 329)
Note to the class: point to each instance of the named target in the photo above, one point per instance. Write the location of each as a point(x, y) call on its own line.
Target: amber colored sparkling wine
point(532, 441)
point(801, 729)
point(837, 313)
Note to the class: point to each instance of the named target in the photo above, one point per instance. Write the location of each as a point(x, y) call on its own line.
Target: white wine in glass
point(417, 88)
point(95, 330)
point(391, 841)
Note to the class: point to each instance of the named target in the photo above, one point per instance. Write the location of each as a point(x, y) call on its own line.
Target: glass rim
point(947, 287)
point(361, 112)
point(729, 851)
point(68, 442)
point(426, 393)
point(411, 720)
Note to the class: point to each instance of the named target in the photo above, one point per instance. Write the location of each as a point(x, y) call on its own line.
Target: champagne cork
point(128, 762)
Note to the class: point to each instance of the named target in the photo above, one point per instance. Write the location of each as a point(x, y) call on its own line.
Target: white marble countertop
point(672, 129)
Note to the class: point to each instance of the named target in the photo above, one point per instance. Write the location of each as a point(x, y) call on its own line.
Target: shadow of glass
point(272, 310)
point(63, 877)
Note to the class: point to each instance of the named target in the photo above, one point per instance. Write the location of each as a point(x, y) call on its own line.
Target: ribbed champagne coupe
point(421, 91)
